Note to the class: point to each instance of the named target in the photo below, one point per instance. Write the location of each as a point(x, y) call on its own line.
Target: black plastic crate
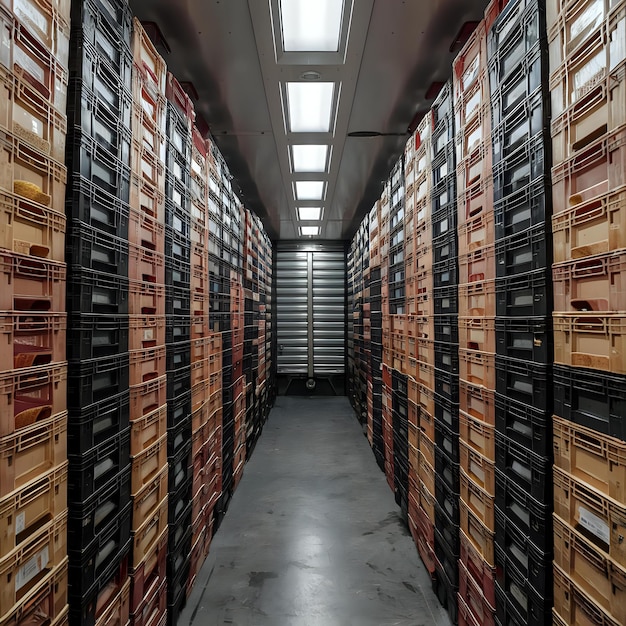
point(447, 328)
point(526, 208)
point(446, 273)
point(447, 361)
point(177, 192)
point(521, 600)
point(92, 249)
point(533, 518)
point(520, 422)
point(89, 563)
point(524, 252)
point(446, 591)
point(514, 546)
point(88, 159)
point(90, 426)
point(178, 302)
point(399, 383)
point(445, 248)
point(447, 500)
point(591, 398)
point(520, 168)
point(524, 381)
point(529, 339)
point(530, 471)
point(178, 355)
point(447, 441)
point(116, 14)
point(442, 135)
point(180, 468)
point(178, 409)
point(525, 295)
point(93, 380)
point(177, 583)
point(448, 470)
point(177, 273)
point(447, 545)
point(396, 256)
point(95, 207)
point(508, 91)
point(179, 501)
point(447, 413)
point(396, 237)
point(178, 227)
point(90, 471)
point(89, 518)
point(443, 198)
point(520, 25)
point(446, 300)
point(442, 106)
point(178, 132)
point(96, 336)
point(179, 539)
point(178, 383)
point(447, 385)
point(90, 115)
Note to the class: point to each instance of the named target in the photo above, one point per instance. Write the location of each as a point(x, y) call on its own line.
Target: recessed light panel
point(309, 158)
point(310, 231)
point(308, 214)
point(311, 25)
point(309, 107)
point(309, 190)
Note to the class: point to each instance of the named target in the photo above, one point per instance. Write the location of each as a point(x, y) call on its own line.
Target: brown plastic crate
point(476, 233)
point(147, 535)
point(590, 340)
point(148, 582)
point(147, 429)
point(482, 573)
point(146, 465)
point(153, 610)
point(478, 500)
point(146, 298)
point(48, 600)
point(480, 469)
point(147, 199)
point(23, 512)
point(146, 122)
point(590, 228)
point(595, 283)
point(478, 265)
point(146, 265)
point(31, 284)
point(473, 147)
point(426, 400)
point(472, 595)
point(147, 364)
point(31, 229)
point(594, 171)
point(477, 435)
point(586, 509)
point(574, 606)
point(477, 368)
point(477, 333)
point(31, 452)
point(479, 535)
point(426, 474)
point(147, 59)
point(148, 499)
point(475, 198)
point(427, 502)
point(147, 165)
point(147, 397)
point(478, 402)
point(145, 231)
point(23, 569)
point(425, 351)
point(427, 448)
point(117, 613)
point(591, 457)
point(146, 331)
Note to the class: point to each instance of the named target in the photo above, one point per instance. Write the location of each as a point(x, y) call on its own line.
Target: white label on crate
point(594, 525)
point(592, 16)
point(31, 568)
point(20, 523)
point(589, 75)
point(148, 334)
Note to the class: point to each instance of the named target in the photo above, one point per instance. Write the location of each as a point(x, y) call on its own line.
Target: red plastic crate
point(117, 612)
point(148, 464)
point(483, 574)
point(153, 610)
point(479, 535)
point(471, 594)
point(148, 575)
point(177, 96)
point(148, 531)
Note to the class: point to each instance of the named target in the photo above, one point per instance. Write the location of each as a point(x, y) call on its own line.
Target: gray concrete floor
point(313, 536)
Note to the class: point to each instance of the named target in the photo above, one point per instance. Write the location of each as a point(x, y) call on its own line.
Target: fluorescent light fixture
point(310, 106)
point(311, 26)
point(309, 158)
point(309, 230)
point(309, 214)
point(309, 190)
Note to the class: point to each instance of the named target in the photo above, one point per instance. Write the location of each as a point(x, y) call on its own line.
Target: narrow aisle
point(313, 536)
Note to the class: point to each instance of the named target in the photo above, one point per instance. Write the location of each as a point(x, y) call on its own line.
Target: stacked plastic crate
point(517, 55)
point(443, 378)
point(98, 159)
point(148, 381)
point(477, 334)
point(33, 374)
point(587, 83)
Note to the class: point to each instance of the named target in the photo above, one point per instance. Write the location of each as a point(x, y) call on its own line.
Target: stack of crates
point(266, 388)
point(98, 158)
point(180, 384)
point(517, 65)
point(400, 402)
point(587, 83)
point(33, 374)
point(366, 328)
point(443, 378)
point(477, 333)
point(148, 380)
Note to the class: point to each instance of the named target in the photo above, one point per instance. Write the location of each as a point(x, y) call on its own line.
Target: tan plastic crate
point(477, 435)
point(146, 465)
point(590, 340)
point(147, 429)
point(427, 502)
point(478, 402)
point(480, 469)
point(477, 333)
point(147, 58)
point(147, 199)
point(477, 368)
point(147, 500)
point(479, 535)
point(427, 449)
point(147, 397)
point(427, 474)
point(477, 299)
point(591, 457)
point(479, 232)
point(147, 364)
point(148, 533)
point(478, 265)
point(146, 331)
point(478, 500)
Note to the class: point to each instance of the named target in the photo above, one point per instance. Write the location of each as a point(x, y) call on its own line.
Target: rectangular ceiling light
point(309, 214)
point(310, 230)
point(310, 106)
point(309, 190)
point(309, 158)
point(311, 26)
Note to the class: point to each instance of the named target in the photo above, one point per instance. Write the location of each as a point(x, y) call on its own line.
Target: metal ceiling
point(227, 49)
